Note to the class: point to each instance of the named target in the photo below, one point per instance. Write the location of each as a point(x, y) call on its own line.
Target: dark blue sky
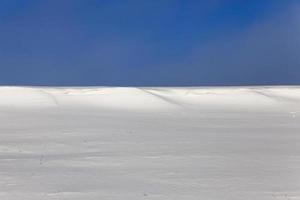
point(149, 42)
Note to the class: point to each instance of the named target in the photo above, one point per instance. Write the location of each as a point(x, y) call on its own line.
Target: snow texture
point(223, 143)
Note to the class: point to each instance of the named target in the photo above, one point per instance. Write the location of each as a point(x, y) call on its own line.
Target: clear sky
point(149, 42)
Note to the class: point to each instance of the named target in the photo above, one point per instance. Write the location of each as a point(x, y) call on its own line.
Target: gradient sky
point(149, 42)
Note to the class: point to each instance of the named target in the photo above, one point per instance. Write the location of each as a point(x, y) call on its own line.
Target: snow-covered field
point(98, 143)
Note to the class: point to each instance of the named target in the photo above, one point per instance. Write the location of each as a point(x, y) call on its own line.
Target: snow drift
point(149, 143)
point(148, 98)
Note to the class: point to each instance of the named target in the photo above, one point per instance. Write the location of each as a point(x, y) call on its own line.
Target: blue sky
point(149, 43)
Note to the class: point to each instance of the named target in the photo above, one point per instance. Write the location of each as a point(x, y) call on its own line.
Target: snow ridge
point(149, 98)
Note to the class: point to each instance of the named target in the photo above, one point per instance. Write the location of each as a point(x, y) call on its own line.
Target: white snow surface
point(92, 143)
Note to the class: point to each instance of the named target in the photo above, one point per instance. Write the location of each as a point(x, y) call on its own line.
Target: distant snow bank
point(150, 98)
